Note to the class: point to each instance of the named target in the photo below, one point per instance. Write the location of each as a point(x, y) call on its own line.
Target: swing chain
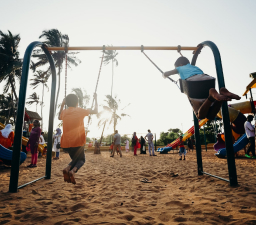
point(179, 49)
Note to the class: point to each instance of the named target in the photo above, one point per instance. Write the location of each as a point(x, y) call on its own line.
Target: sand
point(110, 191)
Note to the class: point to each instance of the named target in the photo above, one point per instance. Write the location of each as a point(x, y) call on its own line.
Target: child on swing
point(203, 108)
point(73, 138)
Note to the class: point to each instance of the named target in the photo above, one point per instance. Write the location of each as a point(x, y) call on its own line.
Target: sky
point(154, 103)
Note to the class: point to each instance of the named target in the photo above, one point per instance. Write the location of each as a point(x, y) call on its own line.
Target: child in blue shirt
point(203, 108)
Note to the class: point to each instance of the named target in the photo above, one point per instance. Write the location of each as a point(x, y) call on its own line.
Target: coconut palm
point(108, 114)
point(34, 98)
point(110, 56)
point(55, 38)
point(41, 78)
point(7, 111)
point(83, 98)
point(10, 63)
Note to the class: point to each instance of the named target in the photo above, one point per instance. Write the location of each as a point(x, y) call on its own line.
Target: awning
point(250, 86)
point(32, 115)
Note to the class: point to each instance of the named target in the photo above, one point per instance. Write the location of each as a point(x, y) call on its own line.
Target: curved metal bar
point(226, 120)
point(13, 185)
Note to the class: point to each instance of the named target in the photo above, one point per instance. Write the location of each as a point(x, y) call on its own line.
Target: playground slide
point(239, 145)
point(187, 135)
point(6, 156)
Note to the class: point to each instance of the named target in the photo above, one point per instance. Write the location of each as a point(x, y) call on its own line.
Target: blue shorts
point(182, 151)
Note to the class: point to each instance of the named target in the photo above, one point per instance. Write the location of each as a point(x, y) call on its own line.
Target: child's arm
point(95, 110)
point(169, 73)
point(61, 108)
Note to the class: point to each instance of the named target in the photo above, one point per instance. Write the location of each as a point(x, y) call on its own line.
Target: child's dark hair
point(181, 61)
point(71, 100)
point(250, 117)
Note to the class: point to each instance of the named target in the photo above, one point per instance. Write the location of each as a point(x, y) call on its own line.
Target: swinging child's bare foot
point(219, 97)
point(72, 177)
point(225, 92)
point(66, 175)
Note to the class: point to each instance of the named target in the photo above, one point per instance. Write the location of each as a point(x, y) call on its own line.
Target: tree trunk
point(42, 108)
point(13, 88)
point(58, 91)
point(103, 132)
point(112, 78)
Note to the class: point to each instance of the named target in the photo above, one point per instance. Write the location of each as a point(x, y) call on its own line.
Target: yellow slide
point(24, 139)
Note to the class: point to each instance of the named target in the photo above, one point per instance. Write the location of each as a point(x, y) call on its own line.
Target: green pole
point(198, 147)
point(14, 177)
point(205, 140)
point(225, 114)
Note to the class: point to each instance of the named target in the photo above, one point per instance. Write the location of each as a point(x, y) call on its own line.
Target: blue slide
point(6, 156)
point(240, 144)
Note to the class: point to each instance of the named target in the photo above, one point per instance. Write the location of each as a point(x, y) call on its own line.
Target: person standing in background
point(149, 139)
point(250, 133)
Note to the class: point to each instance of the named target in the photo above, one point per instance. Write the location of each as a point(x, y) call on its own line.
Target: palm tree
point(7, 111)
point(57, 39)
point(110, 56)
point(108, 114)
point(34, 98)
point(10, 63)
point(40, 77)
point(83, 98)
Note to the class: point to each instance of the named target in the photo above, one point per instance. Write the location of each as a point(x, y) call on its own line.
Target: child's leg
point(32, 159)
point(78, 161)
point(35, 159)
point(180, 154)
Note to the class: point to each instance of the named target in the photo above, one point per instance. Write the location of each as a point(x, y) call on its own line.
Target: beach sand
point(110, 191)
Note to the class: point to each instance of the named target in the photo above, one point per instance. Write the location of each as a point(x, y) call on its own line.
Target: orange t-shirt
point(73, 127)
point(7, 142)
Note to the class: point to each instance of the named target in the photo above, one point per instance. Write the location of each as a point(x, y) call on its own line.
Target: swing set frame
point(14, 177)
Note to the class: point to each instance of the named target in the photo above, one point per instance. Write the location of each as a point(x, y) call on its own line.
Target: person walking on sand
point(135, 143)
point(117, 143)
point(127, 146)
point(250, 133)
point(149, 139)
point(56, 143)
point(33, 143)
point(73, 138)
point(190, 145)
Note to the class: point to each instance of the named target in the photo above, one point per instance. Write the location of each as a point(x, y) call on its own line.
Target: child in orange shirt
point(73, 138)
point(182, 148)
point(7, 136)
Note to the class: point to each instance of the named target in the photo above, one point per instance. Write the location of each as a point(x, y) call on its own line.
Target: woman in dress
point(127, 147)
point(135, 143)
point(56, 143)
point(33, 143)
point(7, 136)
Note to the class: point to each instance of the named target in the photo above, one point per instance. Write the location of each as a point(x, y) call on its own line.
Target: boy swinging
point(73, 138)
point(203, 108)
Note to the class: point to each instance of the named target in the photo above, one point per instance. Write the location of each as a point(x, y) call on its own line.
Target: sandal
point(145, 180)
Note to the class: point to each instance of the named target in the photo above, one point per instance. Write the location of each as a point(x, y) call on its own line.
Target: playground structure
point(13, 185)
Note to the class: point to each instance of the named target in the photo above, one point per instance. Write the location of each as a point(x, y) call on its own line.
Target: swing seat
point(196, 89)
